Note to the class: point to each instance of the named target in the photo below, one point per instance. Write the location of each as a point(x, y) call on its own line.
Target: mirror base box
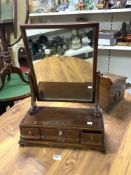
point(63, 127)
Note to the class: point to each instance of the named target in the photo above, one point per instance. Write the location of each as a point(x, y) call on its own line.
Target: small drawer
point(91, 138)
point(60, 135)
point(30, 133)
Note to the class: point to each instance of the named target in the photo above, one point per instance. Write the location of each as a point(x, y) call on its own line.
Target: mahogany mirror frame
point(84, 24)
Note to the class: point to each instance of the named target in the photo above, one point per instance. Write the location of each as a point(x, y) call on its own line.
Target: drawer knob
point(91, 138)
point(60, 133)
point(29, 132)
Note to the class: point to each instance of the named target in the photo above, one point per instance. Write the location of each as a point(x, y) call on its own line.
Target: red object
point(24, 69)
point(127, 38)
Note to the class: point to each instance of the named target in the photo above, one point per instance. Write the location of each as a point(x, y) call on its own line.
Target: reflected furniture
point(60, 78)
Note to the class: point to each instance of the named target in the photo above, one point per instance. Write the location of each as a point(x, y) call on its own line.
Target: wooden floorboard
point(15, 160)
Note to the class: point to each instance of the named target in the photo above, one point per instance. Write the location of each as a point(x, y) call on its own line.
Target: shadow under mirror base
point(63, 127)
point(66, 91)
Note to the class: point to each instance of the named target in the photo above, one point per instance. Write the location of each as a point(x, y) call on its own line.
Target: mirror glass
point(6, 9)
point(62, 60)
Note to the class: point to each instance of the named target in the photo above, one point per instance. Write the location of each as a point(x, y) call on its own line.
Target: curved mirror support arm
point(33, 108)
point(97, 109)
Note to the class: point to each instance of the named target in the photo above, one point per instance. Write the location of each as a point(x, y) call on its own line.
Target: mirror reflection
point(62, 62)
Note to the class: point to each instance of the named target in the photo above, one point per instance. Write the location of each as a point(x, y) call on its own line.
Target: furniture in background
point(13, 14)
point(13, 82)
point(112, 90)
point(13, 91)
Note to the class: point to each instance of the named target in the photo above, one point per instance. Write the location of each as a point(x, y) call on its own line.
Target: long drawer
point(60, 135)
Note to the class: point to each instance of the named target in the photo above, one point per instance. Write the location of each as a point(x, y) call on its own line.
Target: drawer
point(91, 138)
point(30, 133)
point(60, 135)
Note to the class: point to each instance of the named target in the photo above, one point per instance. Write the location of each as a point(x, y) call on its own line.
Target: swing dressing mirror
point(62, 59)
